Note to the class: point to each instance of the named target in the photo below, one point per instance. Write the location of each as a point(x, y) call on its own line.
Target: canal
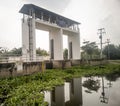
point(86, 91)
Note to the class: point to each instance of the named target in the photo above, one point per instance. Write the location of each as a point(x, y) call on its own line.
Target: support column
point(56, 44)
point(74, 46)
point(32, 40)
point(28, 38)
point(25, 39)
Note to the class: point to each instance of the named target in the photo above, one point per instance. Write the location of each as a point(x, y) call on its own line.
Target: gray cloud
point(111, 20)
point(54, 5)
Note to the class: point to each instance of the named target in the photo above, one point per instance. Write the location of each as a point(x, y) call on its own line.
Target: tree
point(65, 54)
point(41, 52)
point(113, 52)
point(16, 51)
point(90, 49)
point(3, 50)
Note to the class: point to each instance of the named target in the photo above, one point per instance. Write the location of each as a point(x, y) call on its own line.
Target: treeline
point(14, 52)
point(112, 51)
point(41, 52)
point(90, 50)
point(18, 52)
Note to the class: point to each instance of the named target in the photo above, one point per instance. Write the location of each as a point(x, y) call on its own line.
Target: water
point(86, 91)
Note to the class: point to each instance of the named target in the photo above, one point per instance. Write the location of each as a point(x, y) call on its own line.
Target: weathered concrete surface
point(26, 68)
point(61, 64)
point(75, 62)
point(7, 69)
point(16, 69)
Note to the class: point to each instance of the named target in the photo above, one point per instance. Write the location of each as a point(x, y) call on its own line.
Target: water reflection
point(107, 91)
point(112, 77)
point(69, 94)
point(86, 91)
point(103, 97)
point(75, 93)
point(91, 84)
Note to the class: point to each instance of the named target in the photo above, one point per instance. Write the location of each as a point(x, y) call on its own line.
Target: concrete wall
point(7, 69)
point(75, 62)
point(61, 64)
point(93, 62)
point(19, 68)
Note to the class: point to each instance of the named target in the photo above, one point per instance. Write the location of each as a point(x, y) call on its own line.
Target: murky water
point(86, 91)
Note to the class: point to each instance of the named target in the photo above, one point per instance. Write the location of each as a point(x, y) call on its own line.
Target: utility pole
point(108, 52)
point(101, 31)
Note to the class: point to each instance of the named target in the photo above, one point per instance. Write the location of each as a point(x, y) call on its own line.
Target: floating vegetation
point(27, 90)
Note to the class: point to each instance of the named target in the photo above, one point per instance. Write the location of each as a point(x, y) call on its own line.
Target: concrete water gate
point(35, 17)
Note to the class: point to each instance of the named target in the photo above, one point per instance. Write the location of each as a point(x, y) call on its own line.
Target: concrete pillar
point(74, 44)
point(32, 39)
point(25, 39)
point(28, 38)
point(56, 38)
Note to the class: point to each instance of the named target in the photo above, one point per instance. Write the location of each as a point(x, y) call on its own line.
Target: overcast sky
point(92, 14)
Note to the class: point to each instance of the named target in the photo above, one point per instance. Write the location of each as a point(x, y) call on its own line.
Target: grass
point(114, 61)
point(28, 90)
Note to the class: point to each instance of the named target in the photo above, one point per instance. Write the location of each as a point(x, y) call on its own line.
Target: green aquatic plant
point(28, 90)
